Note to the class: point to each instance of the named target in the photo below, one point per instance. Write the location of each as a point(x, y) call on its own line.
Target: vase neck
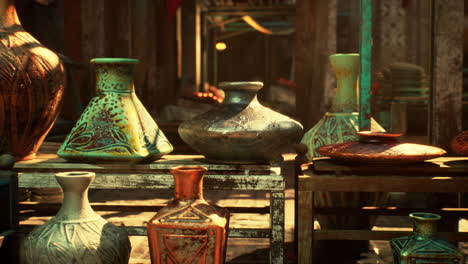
point(240, 97)
point(424, 224)
point(75, 206)
point(346, 68)
point(114, 77)
point(188, 182)
point(8, 15)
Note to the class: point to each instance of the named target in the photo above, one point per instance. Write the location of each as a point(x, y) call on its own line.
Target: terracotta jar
point(241, 130)
point(32, 81)
point(423, 246)
point(76, 234)
point(115, 126)
point(460, 143)
point(188, 229)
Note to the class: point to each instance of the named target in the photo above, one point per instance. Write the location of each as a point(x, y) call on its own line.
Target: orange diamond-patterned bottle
point(188, 230)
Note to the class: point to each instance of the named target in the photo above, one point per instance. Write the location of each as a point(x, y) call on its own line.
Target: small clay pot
point(460, 143)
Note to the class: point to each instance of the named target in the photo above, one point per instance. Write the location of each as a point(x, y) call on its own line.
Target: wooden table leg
point(305, 227)
point(277, 227)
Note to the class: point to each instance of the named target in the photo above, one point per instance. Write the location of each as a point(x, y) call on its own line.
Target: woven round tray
point(380, 148)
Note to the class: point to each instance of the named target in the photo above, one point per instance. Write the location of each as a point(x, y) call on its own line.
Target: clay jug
point(76, 234)
point(188, 229)
point(32, 81)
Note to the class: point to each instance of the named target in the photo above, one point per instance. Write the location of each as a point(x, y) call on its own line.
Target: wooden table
point(39, 173)
point(438, 175)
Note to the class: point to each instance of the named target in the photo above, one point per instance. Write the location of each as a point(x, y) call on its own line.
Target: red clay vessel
point(188, 229)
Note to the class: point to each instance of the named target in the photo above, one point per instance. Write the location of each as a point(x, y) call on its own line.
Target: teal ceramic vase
point(422, 246)
point(115, 126)
point(241, 130)
point(341, 123)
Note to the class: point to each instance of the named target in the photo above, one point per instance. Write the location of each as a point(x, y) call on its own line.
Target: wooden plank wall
point(447, 80)
point(315, 42)
point(136, 29)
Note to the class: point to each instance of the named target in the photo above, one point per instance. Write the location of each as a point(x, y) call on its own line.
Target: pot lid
point(380, 147)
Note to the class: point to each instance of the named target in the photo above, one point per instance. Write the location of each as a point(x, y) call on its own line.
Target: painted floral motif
point(115, 126)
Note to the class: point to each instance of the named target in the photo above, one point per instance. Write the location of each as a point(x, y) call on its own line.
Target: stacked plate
point(408, 80)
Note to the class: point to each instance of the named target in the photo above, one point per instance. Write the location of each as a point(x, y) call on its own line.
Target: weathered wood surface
point(378, 235)
point(305, 227)
point(39, 173)
point(158, 181)
point(138, 29)
point(452, 165)
point(387, 183)
point(51, 162)
point(315, 42)
point(277, 227)
point(141, 231)
point(393, 211)
point(447, 79)
point(45, 209)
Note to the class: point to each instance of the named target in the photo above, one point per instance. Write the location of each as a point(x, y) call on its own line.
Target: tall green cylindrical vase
point(341, 125)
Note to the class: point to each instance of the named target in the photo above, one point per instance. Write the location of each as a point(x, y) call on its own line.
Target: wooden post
point(92, 39)
point(365, 79)
point(198, 46)
point(305, 226)
point(315, 42)
point(189, 44)
point(447, 71)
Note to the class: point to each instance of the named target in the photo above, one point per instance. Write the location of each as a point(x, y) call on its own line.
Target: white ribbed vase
point(76, 234)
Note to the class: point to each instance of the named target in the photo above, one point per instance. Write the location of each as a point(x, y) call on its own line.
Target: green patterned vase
point(115, 126)
point(341, 124)
point(422, 246)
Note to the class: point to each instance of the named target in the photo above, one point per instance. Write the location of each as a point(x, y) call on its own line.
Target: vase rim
point(425, 216)
point(188, 169)
point(114, 60)
point(75, 174)
point(367, 133)
point(345, 55)
point(246, 86)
